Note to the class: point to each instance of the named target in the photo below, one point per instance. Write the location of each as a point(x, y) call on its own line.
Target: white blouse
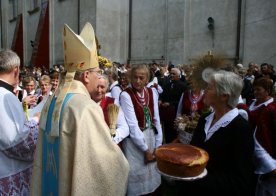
point(136, 133)
point(222, 122)
point(115, 92)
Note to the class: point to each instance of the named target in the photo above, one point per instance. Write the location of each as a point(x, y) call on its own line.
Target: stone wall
point(161, 30)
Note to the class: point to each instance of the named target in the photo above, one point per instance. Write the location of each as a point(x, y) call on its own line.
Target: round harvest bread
point(181, 160)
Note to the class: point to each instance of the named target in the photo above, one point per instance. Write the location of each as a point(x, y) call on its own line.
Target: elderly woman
point(140, 106)
point(262, 116)
point(100, 97)
point(227, 138)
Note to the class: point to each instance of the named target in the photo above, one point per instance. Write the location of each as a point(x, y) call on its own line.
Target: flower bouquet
point(186, 125)
point(104, 62)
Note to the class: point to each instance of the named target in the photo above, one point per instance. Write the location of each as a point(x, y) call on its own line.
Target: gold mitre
point(80, 54)
point(80, 51)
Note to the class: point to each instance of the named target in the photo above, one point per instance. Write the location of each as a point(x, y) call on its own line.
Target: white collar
point(222, 122)
point(253, 107)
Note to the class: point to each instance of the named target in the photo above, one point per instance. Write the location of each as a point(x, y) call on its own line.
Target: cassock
point(17, 144)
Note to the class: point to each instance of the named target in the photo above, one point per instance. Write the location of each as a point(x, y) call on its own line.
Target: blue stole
point(50, 153)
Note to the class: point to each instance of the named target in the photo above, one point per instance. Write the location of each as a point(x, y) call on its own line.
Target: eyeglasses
point(98, 72)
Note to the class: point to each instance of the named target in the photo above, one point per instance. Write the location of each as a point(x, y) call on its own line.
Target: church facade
point(141, 31)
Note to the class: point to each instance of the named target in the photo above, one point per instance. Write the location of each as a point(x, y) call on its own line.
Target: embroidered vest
point(186, 104)
point(139, 108)
point(104, 103)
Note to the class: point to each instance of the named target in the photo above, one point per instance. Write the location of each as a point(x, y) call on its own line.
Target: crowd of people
point(100, 126)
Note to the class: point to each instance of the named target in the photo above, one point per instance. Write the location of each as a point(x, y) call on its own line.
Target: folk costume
point(17, 144)
point(116, 91)
point(189, 104)
point(112, 85)
point(122, 129)
point(141, 112)
point(75, 154)
point(263, 120)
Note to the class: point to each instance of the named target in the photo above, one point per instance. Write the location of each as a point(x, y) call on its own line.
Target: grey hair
point(105, 79)
point(228, 83)
point(140, 66)
point(79, 73)
point(8, 60)
point(178, 72)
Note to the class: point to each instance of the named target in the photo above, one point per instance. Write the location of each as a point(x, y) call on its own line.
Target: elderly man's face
point(174, 75)
point(93, 77)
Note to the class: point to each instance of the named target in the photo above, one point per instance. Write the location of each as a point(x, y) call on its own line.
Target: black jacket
point(230, 167)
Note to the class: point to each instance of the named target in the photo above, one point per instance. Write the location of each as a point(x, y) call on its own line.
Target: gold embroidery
point(56, 115)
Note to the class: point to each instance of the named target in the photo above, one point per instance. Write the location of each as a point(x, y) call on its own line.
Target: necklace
point(142, 98)
point(143, 101)
point(194, 100)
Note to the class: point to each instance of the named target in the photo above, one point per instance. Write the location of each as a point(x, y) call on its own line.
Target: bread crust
point(181, 160)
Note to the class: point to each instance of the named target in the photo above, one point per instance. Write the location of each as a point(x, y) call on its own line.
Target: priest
point(75, 153)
